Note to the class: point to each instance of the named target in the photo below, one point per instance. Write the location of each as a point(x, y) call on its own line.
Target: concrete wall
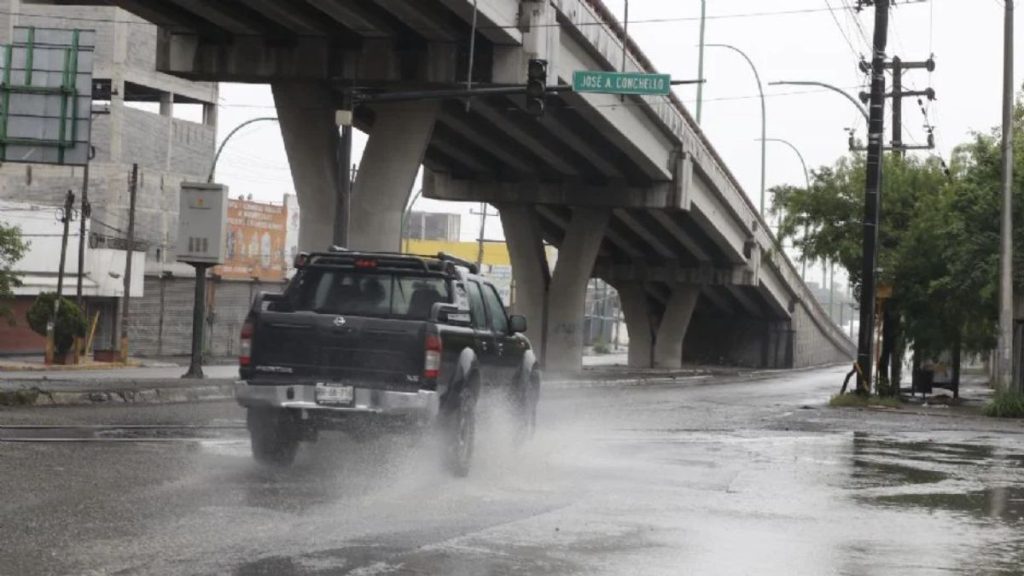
point(813, 347)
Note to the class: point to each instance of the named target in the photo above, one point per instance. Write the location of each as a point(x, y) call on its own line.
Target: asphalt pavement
point(744, 474)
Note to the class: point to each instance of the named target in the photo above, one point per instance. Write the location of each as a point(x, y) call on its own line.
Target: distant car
point(367, 341)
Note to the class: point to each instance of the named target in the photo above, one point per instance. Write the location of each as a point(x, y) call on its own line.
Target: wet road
point(707, 476)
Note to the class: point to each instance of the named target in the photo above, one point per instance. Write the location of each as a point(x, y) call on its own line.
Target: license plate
point(334, 394)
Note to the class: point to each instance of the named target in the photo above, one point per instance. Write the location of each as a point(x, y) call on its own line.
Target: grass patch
point(1006, 404)
point(857, 401)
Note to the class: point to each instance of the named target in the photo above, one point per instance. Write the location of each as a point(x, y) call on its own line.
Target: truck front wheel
point(274, 435)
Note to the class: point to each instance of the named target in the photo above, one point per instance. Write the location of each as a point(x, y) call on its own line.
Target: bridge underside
point(629, 190)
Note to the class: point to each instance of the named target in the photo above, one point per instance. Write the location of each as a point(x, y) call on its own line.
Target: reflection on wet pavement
point(953, 471)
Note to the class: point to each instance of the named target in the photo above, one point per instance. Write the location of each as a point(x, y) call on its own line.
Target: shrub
point(1006, 404)
point(601, 347)
point(70, 321)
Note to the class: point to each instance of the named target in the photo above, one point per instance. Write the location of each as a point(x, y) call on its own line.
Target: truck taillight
point(245, 345)
point(432, 358)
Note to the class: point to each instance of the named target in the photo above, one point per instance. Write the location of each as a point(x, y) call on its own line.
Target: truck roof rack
point(445, 257)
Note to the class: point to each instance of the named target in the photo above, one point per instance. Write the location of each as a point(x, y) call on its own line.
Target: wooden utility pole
point(133, 185)
point(876, 129)
point(85, 213)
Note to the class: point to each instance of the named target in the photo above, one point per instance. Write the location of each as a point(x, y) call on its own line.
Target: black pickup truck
point(367, 341)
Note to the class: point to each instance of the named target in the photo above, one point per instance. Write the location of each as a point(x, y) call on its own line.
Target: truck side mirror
point(445, 313)
point(517, 324)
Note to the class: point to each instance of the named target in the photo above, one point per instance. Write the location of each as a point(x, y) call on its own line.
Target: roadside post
point(202, 238)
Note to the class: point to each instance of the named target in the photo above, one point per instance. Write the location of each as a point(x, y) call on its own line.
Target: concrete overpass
point(629, 190)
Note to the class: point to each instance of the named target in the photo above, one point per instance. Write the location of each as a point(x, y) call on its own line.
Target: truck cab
point(362, 342)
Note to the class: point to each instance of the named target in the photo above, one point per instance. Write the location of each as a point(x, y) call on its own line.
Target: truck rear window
point(359, 293)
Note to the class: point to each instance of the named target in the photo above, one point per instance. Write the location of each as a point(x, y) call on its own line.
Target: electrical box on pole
point(202, 240)
point(202, 223)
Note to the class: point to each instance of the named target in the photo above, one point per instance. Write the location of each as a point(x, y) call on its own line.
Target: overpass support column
point(306, 114)
point(636, 307)
point(387, 173)
point(530, 269)
point(668, 348)
point(567, 295)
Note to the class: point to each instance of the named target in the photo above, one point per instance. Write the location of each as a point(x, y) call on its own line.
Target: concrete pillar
point(529, 269)
point(306, 115)
point(387, 173)
point(636, 307)
point(668, 348)
point(567, 293)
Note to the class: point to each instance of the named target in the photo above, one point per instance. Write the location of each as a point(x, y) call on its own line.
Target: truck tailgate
point(374, 352)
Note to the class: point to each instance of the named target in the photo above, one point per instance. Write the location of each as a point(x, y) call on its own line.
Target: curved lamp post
point(840, 91)
point(220, 148)
point(760, 90)
point(807, 179)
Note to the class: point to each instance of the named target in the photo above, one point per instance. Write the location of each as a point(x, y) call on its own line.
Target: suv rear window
point(359, 293)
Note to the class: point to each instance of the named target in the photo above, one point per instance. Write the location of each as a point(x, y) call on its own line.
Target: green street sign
point(634, 83)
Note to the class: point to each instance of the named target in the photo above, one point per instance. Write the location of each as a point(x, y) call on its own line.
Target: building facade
point(165, 125)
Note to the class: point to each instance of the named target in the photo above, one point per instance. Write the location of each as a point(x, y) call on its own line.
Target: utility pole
point(876, 128)
point(483, 213)
point(133, 184)
point(65, 218)
point(344, 166)
point(51, 325)
point(1004, 363)
point(85, 213)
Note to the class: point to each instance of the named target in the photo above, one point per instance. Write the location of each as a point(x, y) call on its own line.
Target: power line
point(856, 54)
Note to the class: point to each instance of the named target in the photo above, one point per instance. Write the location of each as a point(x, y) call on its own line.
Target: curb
point(34, 396)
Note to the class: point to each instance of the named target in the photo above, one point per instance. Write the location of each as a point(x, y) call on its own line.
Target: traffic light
point(536, 86)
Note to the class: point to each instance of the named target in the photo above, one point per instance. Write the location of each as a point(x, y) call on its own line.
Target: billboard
point(256, 243)
point(46, 94)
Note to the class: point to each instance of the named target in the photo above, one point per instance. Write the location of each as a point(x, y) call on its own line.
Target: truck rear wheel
point(274, 436)
point(460, 432)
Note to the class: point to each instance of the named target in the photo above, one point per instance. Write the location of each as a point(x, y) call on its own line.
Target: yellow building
point(495, 253)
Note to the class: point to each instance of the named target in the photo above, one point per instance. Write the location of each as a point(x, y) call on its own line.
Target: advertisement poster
point(257, 235)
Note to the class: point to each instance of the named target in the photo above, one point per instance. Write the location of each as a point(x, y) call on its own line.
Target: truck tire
point(274, 436)
point(460, 432)
point(525, 408)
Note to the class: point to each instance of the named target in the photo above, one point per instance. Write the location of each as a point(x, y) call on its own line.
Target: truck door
point(510, 348)
point(486, 348)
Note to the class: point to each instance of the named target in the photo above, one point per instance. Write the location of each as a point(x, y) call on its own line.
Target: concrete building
point(165, 124)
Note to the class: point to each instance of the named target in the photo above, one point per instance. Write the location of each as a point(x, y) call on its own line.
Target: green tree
point(12, 248)
point(825, 223)
point(70, 321)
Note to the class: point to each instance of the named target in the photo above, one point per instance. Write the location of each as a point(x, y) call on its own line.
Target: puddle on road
point(977, 480)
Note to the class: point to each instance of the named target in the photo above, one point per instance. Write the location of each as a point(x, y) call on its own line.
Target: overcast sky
point(802, 40)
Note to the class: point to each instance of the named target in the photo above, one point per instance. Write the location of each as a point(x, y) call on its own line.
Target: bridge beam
point(525, 240)
point(387, 172)
point(554, 301)
point(668, 348)
point(306, 114)
point(638, 312)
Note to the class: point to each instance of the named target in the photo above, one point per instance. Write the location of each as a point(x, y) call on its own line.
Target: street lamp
point(839, 91)
point(220, 148)
point(807, 179)
point(760, 90)
point(700, 58)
